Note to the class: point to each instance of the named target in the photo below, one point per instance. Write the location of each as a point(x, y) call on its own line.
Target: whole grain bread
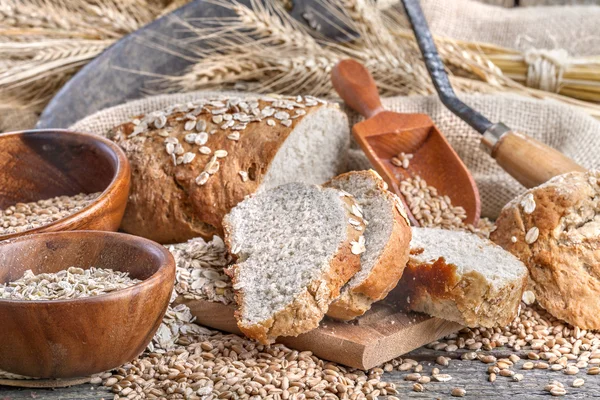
point(192, 163)
point(555, 230)
point(461, 277)
point(296, 246)
point(387, 238)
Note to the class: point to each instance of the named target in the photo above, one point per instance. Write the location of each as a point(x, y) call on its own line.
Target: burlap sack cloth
point(572, 28)
point(574, 133)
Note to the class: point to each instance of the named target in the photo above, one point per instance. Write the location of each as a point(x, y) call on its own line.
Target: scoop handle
point(529, 161)
point(356, 87)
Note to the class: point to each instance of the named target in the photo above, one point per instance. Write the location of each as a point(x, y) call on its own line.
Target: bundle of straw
point(550, 70)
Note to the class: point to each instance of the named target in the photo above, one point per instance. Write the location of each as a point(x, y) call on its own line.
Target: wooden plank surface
point(382, 334)
point(470, 375)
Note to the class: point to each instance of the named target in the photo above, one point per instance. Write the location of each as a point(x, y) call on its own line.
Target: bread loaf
point(387, 238)
point(296, 246)
point(460, 277)
point(555, 230)
point(192, 163)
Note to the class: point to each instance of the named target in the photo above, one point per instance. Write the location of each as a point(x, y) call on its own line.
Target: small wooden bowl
point(79, 337)
point(42, 164)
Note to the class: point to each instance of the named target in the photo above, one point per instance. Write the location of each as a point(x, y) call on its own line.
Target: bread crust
point(388, 268)
point(306, 310)
point(165, 202)
point(564, 261)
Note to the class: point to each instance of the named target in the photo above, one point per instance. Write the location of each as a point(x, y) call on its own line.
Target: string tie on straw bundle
point(545, 68)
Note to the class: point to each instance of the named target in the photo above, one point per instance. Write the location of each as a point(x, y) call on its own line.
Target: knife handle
point(356, 87)
point(529, 161)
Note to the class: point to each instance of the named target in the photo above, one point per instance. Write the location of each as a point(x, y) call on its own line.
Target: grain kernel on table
point(578, 383)
point(458, 392)
point(441, 360)
point(528, 365)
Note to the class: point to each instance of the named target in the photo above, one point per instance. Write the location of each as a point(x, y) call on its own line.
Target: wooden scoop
point(385, 134)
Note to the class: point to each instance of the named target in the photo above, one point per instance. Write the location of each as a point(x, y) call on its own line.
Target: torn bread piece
point(460, 277)
point(555, 230)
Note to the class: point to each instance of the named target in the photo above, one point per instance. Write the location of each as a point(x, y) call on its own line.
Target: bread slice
point(191, 163)
point(387, 238)
point(296, 246)
point(460, 277)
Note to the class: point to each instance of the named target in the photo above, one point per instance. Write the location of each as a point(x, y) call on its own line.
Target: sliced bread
point(460, 277)
point(296, 246)
point(191, 163)
point(387, 238)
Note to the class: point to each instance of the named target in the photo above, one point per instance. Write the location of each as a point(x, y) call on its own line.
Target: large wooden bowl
point(79, 337)
point(36, 165)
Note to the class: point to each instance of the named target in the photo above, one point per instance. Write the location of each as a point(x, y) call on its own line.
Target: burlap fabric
point(574, 133)
point(572, 28)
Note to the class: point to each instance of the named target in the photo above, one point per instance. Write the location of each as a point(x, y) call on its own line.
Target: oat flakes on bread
point(555, 230)
point(387, 238)
point(296, 246)
point(461, 277)
point(192, 163)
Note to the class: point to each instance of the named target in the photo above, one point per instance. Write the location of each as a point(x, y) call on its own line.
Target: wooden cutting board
point(383, 333)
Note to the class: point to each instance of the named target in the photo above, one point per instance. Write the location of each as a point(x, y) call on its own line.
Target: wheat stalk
point(44, 42)
point(264, 50)
point(284, 56)
point(260, 48)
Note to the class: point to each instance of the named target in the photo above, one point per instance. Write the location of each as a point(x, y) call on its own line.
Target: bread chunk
point(191, 163)
point(555, 230)
point(461, 277)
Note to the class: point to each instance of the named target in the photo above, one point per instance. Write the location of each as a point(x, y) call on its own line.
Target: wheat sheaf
point(259, 47)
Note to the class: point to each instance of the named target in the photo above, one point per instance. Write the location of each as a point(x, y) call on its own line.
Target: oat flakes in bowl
point(73, 335)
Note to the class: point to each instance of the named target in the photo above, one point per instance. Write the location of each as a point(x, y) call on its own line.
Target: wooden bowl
point(79, 337)
point(42, 164)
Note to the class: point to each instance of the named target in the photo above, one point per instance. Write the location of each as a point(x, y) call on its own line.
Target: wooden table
point(470, 375)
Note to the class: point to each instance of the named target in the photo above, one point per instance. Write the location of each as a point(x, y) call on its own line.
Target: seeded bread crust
point(389, 267)
point(306, 310)
point(564, 260)
point(436, 287)
point(166, 204)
